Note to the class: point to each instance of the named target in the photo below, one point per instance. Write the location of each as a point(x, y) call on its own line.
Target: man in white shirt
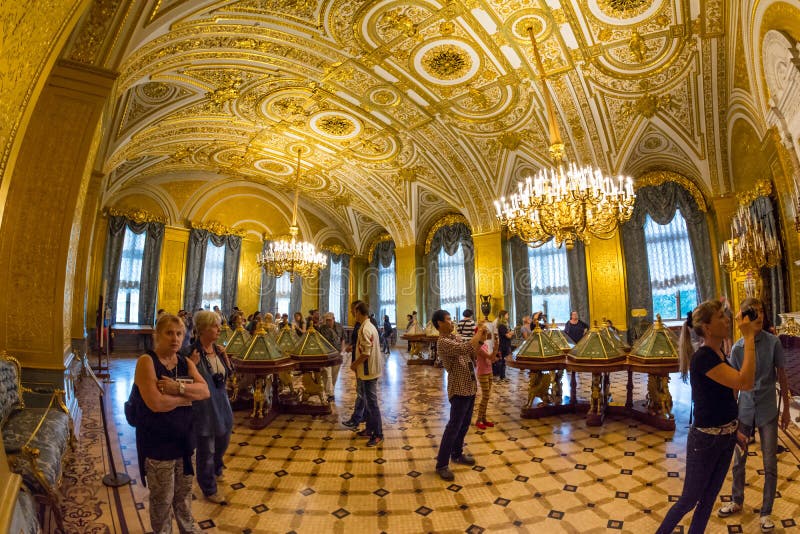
point(368, 366)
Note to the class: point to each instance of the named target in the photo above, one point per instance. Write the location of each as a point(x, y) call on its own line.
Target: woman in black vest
point(168, 383)
point(712, 437)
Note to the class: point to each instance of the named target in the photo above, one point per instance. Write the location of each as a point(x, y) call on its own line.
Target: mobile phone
point(750, 313)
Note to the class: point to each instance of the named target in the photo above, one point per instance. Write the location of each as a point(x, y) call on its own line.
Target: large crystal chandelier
point(566, 202)
point(750, 248)
point(290, 255)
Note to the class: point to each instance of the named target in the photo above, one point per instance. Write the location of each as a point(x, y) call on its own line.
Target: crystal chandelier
point(290, 255)
point(751, 248)
point(566, 202)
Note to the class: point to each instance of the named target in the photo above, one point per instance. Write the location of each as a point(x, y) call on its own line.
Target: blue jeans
point(769, 445)
point(210, 451)
point(360, 405)
point(372, 411)
point(708, 458)
point(452, 445)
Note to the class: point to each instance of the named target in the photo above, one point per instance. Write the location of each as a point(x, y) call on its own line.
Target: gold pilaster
point(172, 270)
point(310, 299)
point(51, 167)
point(488, 271)
point(605, 268)
point(409, 281)
point(249, 292)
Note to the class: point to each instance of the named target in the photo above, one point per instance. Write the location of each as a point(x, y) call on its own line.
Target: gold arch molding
point(448, 220)
point(656, 178)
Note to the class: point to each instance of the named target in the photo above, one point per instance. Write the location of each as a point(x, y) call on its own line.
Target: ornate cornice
point(337, 249)
point(656, 178)
point(137, 215)
point(379, 239)
point(448, 220)
point(763, 188)
point(216, 227)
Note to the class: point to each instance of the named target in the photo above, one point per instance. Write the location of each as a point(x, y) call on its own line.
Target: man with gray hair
point(334, 333)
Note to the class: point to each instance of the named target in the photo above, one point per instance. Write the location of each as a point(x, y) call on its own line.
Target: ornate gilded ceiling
point(407, 110)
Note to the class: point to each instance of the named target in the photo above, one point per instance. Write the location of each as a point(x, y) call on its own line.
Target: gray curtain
point(521, 277)
point(345, 300)
point(195, 262)
point(296, 300)
point(661, 202)
point(449, 237)
point(113, 259)
point(269, 291)
point(324, 287)
point(151, 260)
point(230, 275)
point(578, 282)
point(381, 257)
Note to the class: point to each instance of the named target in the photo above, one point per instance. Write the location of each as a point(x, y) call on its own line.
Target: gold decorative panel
point(607, 284)
point(172, 270)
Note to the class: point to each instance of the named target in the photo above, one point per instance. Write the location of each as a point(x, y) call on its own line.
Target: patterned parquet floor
point(309, 474)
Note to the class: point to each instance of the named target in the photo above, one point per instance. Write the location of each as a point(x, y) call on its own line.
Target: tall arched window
point(212, 276)
point(387, 301)
point(130, 274)
point(283, 294)
point(335, 289)
point(452, 282)
point(672, 275)
point(549, 280)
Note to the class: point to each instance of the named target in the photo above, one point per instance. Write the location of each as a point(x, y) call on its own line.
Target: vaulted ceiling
point(406, 110)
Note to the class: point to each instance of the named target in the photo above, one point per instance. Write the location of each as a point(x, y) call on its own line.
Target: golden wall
point(605, 269)
point(488, 271)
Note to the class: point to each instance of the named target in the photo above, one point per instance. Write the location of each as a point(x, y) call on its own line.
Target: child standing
point(484, 368)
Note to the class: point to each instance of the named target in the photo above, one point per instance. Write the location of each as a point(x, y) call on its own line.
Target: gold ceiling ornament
point(137, 215)
point(336, 249)
point(752, 246)
point(564, 203)
point(638, 46)
point(342, 201)
point(447, 62)
point(290, 255)
point(624, 8)
point(336, 125)
point(763, 188)
point(448, 220)
point(656, 178)
point(397, 20)
point(216, 227)
point(380, 238)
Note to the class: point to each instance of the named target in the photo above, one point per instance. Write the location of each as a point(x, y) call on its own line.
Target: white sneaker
point(217, 498)
point(766, 524)
point(729, 509)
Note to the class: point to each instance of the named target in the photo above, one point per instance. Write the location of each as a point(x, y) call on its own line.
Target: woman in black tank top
point(712, 437)
point(168, 383)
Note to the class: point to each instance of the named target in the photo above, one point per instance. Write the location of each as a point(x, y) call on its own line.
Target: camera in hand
point(750, 313)
point(219, 380)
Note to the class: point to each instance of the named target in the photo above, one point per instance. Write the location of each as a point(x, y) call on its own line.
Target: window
point(283, 294)
point(212, 276)
point(387, 301)
point(549, 281)
point(452, 282)
point(130, 275)
point(335, 289)
point(669, 257)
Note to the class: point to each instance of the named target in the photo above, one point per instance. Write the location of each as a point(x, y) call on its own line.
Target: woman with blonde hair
point(213, 417)
point(168, 383)
point(712, 437)
point(269, 324)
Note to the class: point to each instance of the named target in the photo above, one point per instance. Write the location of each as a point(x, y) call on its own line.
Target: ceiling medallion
point(624, 8)
point(446, 62)
point(334, 124)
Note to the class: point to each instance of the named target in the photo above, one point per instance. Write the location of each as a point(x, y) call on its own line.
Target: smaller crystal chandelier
point(289, 255)
point(750, 248)
point(561, 203)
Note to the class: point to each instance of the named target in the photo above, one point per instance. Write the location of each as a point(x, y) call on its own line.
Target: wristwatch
point(181, 388)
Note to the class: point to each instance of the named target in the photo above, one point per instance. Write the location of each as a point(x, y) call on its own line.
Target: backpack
point(135, 408)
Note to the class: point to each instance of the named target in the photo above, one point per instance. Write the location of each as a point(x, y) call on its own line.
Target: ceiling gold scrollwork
point(409, 109)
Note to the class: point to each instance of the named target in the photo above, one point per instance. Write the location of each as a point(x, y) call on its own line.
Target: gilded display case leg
point(557, 395)
point(629, 391)
point(595, 406)
point(539, 386)
point(313, 387)
point(573, 389)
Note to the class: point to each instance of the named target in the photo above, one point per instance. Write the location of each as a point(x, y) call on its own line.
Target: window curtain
point(148, 285)
point(296, 300)
point(521, 277)
point(661, 202)
point(269, 299)
point(345, 300)
point(381, 257)
point(578, 282)
point(340, 311)
point(196, 262)
point(449, 237)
